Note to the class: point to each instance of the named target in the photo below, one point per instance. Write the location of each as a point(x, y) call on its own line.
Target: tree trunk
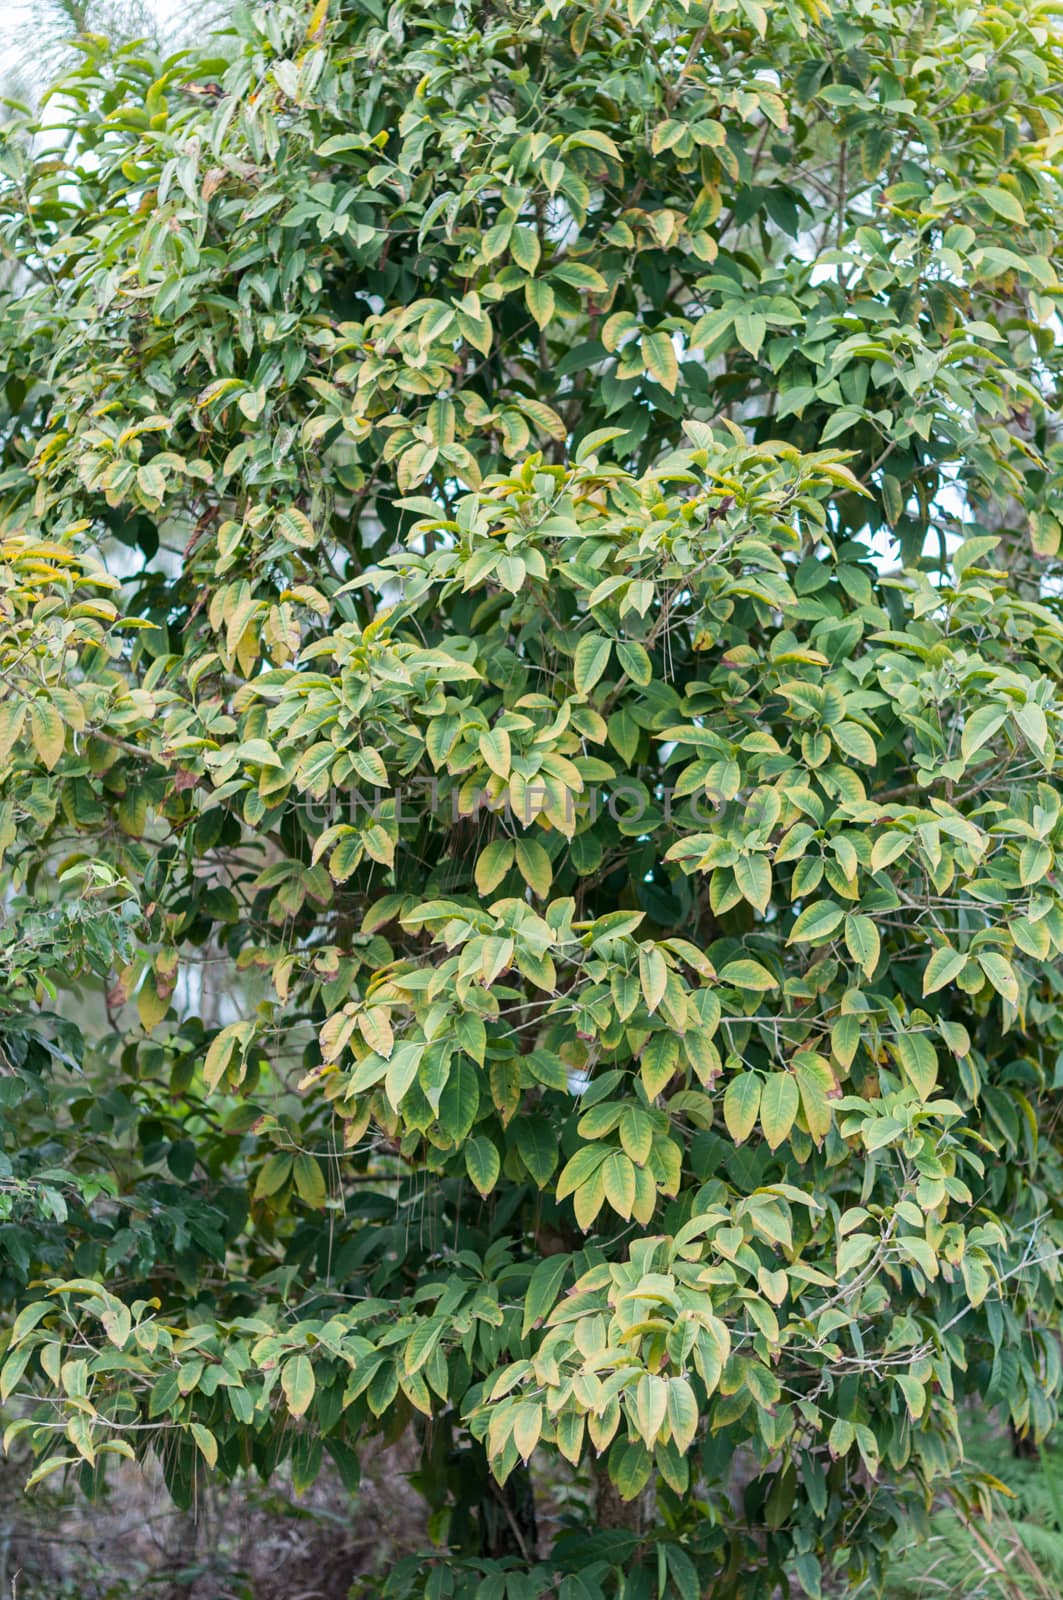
point(611, 1511)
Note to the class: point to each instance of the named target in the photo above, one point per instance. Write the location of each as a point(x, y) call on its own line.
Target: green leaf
point(274, 1173)
point(942, 968)
point(630, 1470)
point(918, 1060)
point(309, 1180)
point(482, 1164)
point(27, 1320)
point(753, 877)
point(980, 727)
point(1000, 974)
point(653, 976)
point(1004, 204)
point(862, 940)
point(635, 661)
point(537, 1146)
point(543, 1289)
point(459, 1103)
point(817, 922)
point(402, 1070)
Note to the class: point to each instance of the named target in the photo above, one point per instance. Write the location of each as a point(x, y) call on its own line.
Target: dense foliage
point(532, 667)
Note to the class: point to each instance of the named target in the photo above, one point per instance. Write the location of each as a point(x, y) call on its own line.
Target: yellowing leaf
point(492, 864)
point(525, 249)
point(980, 727)
point(12, 717)
point(650, 1407)
point(295, 527)
point(745, 974)
point(297, 1381)
point(682, 1410)
point(855, 741)
point(527, 1426)
point(816, 1085)
point(658, 353)
point(47, 732)
point(653, 976)
point(207, 1443)
point(495, 749)
point(539, 298)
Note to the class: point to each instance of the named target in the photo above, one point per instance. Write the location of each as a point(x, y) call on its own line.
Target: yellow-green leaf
point(779, 1101)
point(1004, 204)
point(658, 353)
point(297, 1381)
point(492, 864)
point(534, 866)
point(943, 966)
point(496, 751)
point(591, 660)
point(309, 1180)
point(862, 939)
point(741, 1104)
point(653, 976)
point(47, 732)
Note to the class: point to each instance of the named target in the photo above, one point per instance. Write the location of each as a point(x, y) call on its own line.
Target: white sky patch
point(17, 28)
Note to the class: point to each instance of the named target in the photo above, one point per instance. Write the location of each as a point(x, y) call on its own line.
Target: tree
point(530, 548)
